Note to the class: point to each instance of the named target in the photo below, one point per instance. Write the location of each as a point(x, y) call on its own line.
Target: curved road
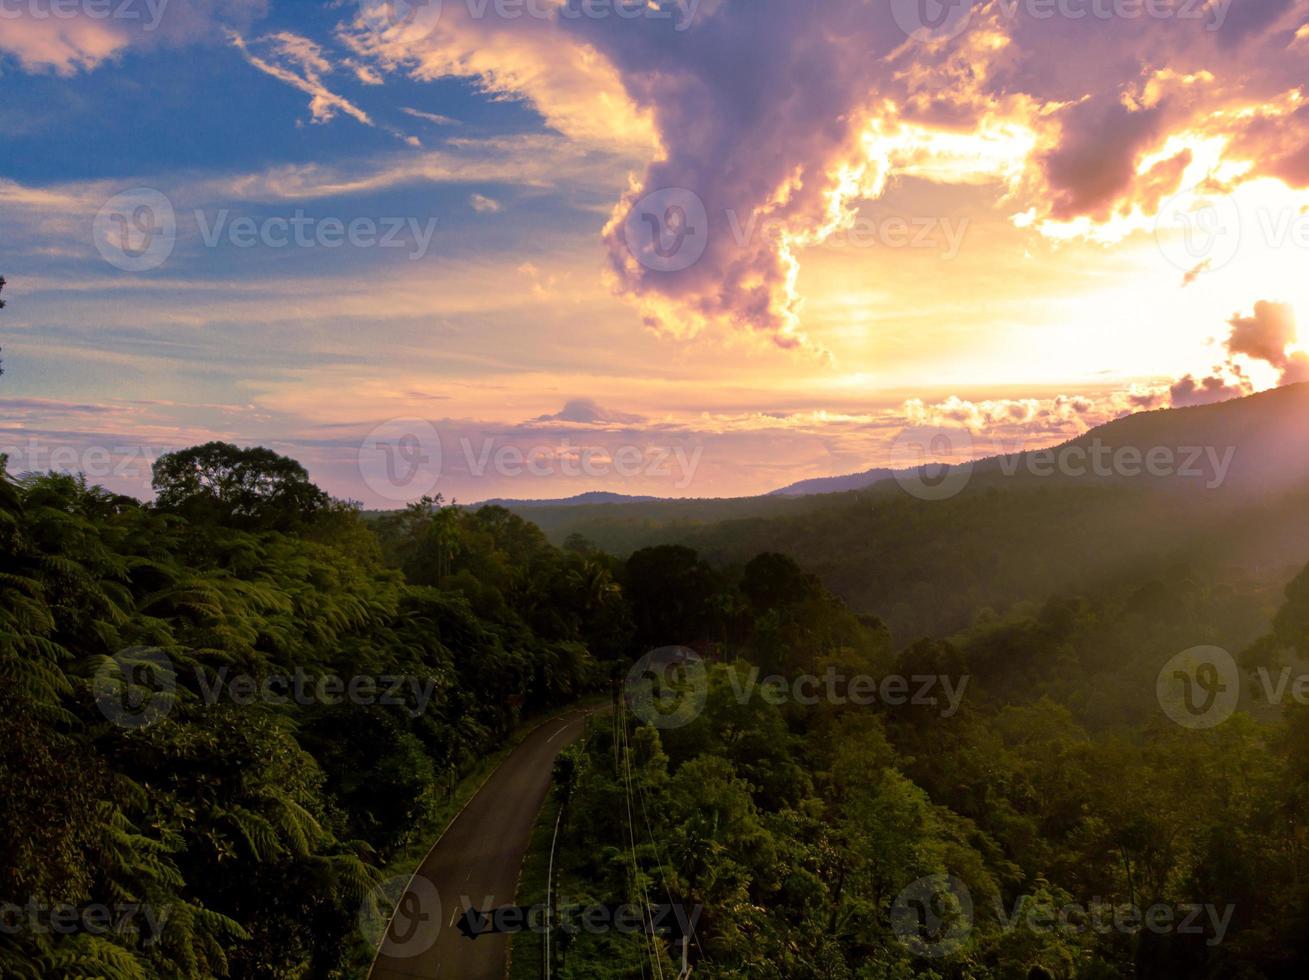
point(479, 856)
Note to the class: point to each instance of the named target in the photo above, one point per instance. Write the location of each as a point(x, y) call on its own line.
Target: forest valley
point(254, 827)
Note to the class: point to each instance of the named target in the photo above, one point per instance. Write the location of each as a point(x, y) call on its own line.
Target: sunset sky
point(713, 247)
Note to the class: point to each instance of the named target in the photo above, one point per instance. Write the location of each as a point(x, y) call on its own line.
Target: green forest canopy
point(260, 827)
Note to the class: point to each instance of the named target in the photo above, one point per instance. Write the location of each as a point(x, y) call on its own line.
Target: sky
point(533, 248)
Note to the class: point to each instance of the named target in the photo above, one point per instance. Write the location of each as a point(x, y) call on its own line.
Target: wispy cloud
point(431, 117)
point(308, 57)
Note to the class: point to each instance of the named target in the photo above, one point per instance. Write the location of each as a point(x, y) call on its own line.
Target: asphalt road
point(478, 859)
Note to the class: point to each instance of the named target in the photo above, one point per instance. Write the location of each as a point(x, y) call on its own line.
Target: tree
point(772, 581)
point(254, 489)
point(670, 589)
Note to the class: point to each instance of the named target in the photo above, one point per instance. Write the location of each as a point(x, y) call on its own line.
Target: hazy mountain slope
point(1265, 436)
point(1012, 534)
point(620, 528)
point(835, 484)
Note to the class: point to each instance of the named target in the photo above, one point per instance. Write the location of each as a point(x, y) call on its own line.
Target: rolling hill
point(1219, 493)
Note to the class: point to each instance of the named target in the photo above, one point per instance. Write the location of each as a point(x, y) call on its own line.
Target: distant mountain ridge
point(1237, 438)
point(834, 484)
point(1227, 502)
point(590, 497)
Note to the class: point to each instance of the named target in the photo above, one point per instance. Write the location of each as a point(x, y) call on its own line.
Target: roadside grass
point(526, 949)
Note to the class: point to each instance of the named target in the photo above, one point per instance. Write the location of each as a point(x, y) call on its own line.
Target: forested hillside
point(157, 753)
point(1229, 503)
point(1035, 815)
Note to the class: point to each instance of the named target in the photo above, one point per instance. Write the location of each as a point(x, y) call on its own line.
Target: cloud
point(1269, 335)
point(483, 204)
point(784, 115)
point(1205, 391)
point(1095, 161)
point(541, 160)
point(778, 117)
point(65, 47)
point(47, 406)
point(1266, 336)
point(760, 110)
point(530, 57)
point(83, 39)
point(1296, 369)
point(431, 117)
point(1027, 417)
point(306, 56)
point(586, 412)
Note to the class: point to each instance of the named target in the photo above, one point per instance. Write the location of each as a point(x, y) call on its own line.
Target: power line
point(662, 872)
point(651, 950)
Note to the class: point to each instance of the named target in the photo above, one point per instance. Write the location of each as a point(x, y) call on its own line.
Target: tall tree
point(2, 306)
point(251, 488)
